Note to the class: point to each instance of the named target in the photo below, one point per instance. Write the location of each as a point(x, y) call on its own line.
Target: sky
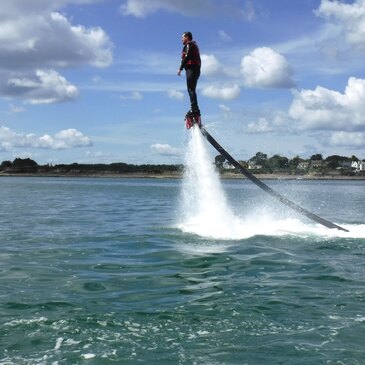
point(95, 81)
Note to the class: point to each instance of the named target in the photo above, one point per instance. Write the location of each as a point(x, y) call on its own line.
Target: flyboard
point(190, 121)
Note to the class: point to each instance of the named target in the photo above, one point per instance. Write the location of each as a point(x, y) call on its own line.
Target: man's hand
point(178, 72)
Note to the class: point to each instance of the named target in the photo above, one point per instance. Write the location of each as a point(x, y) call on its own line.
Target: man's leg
point(192, 77)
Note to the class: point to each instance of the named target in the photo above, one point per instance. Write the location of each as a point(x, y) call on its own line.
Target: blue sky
point(95, 81)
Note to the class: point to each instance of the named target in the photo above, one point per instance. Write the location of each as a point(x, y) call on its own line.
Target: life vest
point(192, 50)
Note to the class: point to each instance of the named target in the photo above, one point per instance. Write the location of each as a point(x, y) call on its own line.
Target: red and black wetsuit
point(190, 61)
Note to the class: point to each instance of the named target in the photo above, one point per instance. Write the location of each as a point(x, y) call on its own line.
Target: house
point(316, 163)
point(358, 165)
point(252, 166)
point(228, 166)
point(303, 165)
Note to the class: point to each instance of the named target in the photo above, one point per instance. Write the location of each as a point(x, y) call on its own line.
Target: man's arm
point(187, 57)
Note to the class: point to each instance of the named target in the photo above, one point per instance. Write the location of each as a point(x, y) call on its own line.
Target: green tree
point(219, 161)
point(334, 161)
point(316, 157)
point(5, 165)
point(259, 159)
point(294, 162)
point(277, 162)
point(24, 165)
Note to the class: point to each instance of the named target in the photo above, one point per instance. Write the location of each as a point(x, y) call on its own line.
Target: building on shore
point(358, 165)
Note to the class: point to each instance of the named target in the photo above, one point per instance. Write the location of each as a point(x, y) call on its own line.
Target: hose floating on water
point(265, 187)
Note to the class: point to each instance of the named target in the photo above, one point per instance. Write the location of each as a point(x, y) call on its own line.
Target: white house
point(358, 165)
point(228, 166)
point(303, 165)
point(252, 166)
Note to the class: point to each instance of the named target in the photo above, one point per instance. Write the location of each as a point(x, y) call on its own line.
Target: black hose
point(266, 188)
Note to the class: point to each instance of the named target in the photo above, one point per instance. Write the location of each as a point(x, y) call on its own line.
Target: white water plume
point(204, 208)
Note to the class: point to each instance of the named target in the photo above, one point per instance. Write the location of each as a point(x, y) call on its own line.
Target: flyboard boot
point(192, 118)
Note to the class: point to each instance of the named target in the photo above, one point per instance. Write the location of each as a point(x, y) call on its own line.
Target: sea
point(198, 270)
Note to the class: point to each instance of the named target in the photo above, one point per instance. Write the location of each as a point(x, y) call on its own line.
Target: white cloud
point(69, 138)
point(43, 87)
point(203, 8)
point(347, 139)
point(350, 17)
point(165, 149)
point(210, 65)
point(10, 8)
point(13, 109)
point(142, 8)
point(322, 108)
point(261, 126)
point(65, 139)
point(249, 11)
point(265, 68)
point(48, 39)
point(176, 95)
point(224, 37)
point(36, 39)
point(135, 95)
point(225, 92)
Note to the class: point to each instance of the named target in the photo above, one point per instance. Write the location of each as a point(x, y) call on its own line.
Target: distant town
point(315, 166)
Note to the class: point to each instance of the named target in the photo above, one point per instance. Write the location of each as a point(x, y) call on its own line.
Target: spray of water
point(204, 209)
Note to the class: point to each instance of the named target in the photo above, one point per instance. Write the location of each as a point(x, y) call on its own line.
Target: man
point(190, 61)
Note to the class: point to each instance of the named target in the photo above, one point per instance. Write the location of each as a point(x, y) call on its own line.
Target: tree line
point(29, 166)
point(260, 163)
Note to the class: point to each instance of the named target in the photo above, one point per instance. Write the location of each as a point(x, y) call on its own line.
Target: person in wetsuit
point(190, 61)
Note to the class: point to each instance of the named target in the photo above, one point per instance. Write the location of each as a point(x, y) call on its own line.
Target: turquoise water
point(112, 271)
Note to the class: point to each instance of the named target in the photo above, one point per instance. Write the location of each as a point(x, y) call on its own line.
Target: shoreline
point(178, 175)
